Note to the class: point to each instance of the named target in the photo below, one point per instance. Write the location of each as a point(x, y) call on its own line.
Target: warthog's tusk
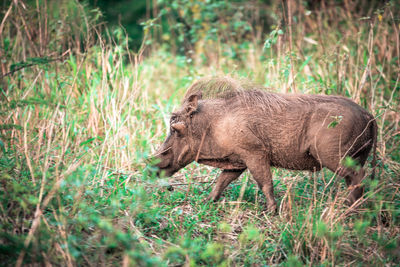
point(159, 153)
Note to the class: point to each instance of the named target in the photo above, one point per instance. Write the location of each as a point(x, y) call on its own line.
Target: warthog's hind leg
point(353, 180)
point(224, 179)
point(353, 177)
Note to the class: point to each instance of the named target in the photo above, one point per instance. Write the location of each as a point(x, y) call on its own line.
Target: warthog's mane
point(247, 92)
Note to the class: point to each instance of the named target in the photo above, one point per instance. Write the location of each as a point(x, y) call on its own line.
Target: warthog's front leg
point(224, 179)
point(259, 168)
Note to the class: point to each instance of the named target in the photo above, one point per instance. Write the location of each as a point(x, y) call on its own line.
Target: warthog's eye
point(173, 118)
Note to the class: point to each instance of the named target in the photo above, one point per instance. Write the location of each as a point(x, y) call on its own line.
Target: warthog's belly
point(297, 162)
point(224, 163)
point(301, 162)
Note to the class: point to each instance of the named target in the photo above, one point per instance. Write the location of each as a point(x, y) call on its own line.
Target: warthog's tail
point(374, 149)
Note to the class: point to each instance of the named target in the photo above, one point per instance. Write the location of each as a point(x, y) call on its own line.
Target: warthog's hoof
point(272, 209)
point(211, 198)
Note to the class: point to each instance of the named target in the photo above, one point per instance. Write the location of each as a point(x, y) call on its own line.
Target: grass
point(75, 133)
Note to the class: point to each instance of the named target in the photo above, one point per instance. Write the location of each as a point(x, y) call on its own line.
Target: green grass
point(75, 134)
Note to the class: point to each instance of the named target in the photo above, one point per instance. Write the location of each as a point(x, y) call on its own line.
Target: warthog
point(235, 126)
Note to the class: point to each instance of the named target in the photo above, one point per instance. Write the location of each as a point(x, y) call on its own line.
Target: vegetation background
point(86, 89)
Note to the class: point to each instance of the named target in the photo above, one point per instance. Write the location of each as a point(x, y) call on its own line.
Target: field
point(81, 112)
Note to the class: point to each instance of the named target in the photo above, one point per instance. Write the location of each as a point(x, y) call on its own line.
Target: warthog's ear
point(180, 127)
point(192, 102)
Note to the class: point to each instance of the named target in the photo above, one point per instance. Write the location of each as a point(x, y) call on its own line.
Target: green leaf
point(349, 162)
point(305, 63)
point(335, 122)
point(87, 141)
point(322, 229)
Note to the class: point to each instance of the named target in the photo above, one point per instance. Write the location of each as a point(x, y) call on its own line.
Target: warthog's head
point(179, 149)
